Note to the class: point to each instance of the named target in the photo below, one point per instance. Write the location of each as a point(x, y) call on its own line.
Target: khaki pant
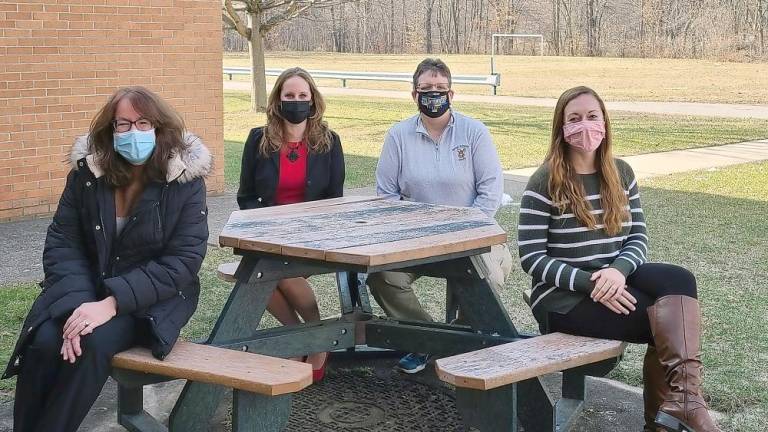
point(393, 292)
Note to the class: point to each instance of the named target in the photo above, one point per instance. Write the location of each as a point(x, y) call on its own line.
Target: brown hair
point(169, 133)
point(564, 186)
point(434, 65)
point(317, 134)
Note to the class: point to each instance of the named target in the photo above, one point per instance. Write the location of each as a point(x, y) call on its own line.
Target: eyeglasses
point(125, 125)
point(440, 87)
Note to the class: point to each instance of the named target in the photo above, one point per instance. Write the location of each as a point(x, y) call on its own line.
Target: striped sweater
point(561, 254)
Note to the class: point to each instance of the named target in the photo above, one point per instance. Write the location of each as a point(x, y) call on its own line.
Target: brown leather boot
point(676, 327)
point(655, 389)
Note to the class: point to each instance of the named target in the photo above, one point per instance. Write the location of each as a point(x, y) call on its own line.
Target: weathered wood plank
point(259, 223)
point(312, 220)
point(226, 271)
point(513, 362)
point(294, 208)
point(417, 248)
point(387, 235)
point(304, 209)
point(203, 363)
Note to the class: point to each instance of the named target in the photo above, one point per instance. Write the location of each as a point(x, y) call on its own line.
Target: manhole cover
point(356, 400)
point(351, 415)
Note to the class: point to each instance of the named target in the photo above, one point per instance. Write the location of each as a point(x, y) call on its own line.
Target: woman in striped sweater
point(582, 237)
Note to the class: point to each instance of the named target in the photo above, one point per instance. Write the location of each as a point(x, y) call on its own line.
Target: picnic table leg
point(480, 305)
point(352, 292)
point(130, 402)
point(239, 317)
point(451, 307)
point(482, 308)
point(253, 412)
point(488, 410)
point(347, 292)
point(535, 409)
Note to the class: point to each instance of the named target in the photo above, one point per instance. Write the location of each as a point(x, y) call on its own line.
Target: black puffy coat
point(259, 175)
point(151, 268)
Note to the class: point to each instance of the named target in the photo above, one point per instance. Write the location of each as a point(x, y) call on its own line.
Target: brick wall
point(61, 59)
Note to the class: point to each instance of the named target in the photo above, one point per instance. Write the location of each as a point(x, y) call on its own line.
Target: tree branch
point(235, 21)
point(293, 11)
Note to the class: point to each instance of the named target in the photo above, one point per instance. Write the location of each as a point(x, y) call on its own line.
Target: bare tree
point(261, 16)
point(428, 25)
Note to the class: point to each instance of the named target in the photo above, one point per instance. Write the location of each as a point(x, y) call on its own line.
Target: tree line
point(721, 29)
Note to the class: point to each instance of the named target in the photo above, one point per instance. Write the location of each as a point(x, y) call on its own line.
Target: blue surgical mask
point(135, 146)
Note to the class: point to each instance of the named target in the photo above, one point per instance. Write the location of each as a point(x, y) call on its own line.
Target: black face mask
point(433, 103)
point(295, 111)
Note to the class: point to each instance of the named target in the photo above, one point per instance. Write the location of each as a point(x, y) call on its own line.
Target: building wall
point(60, 61)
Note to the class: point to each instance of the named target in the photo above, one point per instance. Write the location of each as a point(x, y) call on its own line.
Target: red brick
point(60, 65)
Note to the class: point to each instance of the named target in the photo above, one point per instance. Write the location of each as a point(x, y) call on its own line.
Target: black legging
point(53, 395)
point(648, 283)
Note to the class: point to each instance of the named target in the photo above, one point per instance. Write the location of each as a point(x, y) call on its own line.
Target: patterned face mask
point(433, 104)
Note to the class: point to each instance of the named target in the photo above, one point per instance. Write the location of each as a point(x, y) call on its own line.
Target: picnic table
point(351, 235)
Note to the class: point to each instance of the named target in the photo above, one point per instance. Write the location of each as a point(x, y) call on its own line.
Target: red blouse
point(293, 173)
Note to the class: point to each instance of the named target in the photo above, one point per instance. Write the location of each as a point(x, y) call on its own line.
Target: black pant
point(55, 396)
point(648, 283)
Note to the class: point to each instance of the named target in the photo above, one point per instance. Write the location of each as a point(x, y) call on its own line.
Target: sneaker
point(413, 363)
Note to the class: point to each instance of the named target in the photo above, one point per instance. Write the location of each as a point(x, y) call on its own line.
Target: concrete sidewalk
point(673, 108)
point(664, 163)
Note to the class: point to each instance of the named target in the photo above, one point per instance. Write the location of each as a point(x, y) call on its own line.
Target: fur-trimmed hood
point(193, 162)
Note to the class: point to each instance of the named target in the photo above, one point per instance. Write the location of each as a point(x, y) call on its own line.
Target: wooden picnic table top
point(361, 230)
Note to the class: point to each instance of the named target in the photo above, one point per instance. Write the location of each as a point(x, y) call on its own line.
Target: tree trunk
point(762, 18)
point(258, 77)
point(556, 26)
point(428, 27)
point(391, 41)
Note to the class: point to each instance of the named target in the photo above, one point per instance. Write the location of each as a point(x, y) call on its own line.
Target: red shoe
point(319, 374)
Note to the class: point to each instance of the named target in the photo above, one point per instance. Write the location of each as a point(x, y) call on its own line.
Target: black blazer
point(259, 175)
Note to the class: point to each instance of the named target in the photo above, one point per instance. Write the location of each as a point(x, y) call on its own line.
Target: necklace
point(293, 155)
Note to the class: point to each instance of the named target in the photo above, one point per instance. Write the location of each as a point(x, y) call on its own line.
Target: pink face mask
point(586, 135)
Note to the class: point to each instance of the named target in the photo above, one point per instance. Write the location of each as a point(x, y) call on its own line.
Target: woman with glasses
point(295, 157)
point(438, 156)
point(121, 259)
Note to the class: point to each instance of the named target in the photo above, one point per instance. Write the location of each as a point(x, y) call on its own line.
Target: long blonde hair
point(317, 134)
point(566, 189)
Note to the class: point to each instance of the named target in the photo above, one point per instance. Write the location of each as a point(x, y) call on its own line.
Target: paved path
point(664, 163)
point(675, 108)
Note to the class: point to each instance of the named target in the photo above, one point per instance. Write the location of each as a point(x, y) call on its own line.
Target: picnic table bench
point(262, 385)
point(361, 235)
point(493, 377)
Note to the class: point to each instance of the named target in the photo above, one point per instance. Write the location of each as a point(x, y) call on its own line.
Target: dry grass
point(626, 79)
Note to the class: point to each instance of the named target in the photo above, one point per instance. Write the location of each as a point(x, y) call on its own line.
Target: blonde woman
point(582, 237)
point(295, 157)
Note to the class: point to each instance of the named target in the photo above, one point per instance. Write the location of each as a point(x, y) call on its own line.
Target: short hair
point(434, 65)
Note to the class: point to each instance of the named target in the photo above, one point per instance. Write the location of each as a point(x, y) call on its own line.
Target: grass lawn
point(521, 134)
point(713, 222)
point(651, 79)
